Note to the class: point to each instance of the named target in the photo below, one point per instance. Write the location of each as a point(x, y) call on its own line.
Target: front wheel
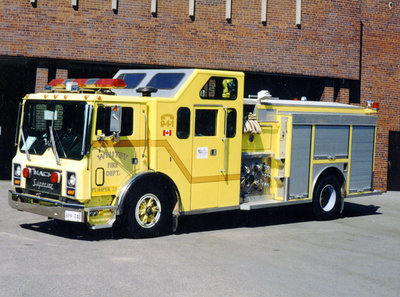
point(327, 199)
point(148, 213)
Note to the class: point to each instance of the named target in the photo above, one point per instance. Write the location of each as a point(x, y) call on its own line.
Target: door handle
point(213, 152)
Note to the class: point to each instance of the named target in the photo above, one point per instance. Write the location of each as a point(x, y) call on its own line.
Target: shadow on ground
point(207, 222)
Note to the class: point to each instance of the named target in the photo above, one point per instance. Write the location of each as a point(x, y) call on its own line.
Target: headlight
point(72, 180)
point(71, 184)
point(17, 170)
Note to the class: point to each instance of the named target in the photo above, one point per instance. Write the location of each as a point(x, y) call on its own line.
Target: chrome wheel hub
point(327, 198)
point(148, 211)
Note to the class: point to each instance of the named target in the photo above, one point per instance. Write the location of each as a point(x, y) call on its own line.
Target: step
point(270, 203)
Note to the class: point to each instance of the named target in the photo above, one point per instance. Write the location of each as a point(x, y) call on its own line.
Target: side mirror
point(115, 121)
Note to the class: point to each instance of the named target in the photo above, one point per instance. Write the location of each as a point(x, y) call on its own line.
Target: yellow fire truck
point(138, 150)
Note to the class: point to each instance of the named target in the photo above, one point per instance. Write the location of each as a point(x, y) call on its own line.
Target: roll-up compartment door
point(300, 162)
point(362, 154)
point(331, 142)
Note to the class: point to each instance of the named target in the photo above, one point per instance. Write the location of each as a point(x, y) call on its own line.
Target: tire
point(148, 213)
point(327, 199)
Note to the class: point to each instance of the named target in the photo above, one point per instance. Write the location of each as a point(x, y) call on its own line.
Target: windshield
point(165, 80)
point(132, 80)
point(67, 120)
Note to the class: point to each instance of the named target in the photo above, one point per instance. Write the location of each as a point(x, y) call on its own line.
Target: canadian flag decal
point(167, 133)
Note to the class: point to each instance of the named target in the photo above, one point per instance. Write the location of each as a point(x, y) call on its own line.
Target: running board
point(270, 203)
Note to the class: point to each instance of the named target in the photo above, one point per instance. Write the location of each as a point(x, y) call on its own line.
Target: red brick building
point(343, 50)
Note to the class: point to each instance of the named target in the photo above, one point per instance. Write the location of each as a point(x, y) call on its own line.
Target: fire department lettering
point(119, 155)
point(104, 190)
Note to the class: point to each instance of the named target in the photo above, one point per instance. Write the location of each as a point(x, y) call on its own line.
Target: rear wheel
point(327, 199)
point(148, 213)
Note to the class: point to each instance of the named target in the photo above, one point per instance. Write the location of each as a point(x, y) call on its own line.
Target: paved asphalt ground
point(273, 252)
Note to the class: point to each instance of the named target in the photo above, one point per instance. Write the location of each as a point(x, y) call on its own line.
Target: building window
point(228, 11)
point(264, 6)
point(298, 13)
point(153, 8)
point(191, 9)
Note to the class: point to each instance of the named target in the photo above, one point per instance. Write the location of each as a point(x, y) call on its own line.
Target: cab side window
point(231, 123)
point(183, 123)
point(206, 122)
point(220, 88)
point(103, 121)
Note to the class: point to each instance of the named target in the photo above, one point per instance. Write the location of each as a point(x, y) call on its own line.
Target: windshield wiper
point(88, 116)
point(60, 143)
point(53, 145)
point(28, 156)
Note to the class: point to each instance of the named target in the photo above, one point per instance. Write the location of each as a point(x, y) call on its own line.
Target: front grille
point(47, 195)
point(40, 181)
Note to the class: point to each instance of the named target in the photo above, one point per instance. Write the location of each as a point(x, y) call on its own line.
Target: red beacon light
point(113, 83)
point(75, 85)
point(373, 105)
point(57, 82)
point(81, 81)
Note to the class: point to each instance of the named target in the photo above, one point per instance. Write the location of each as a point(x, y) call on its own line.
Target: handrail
point(145, 134)
point(224, 139)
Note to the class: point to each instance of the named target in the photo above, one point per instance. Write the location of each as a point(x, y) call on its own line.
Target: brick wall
point(42, 78)
point(326, 45)
point(381, 74)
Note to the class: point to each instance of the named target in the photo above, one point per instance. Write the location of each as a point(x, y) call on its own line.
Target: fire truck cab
point(138, 150)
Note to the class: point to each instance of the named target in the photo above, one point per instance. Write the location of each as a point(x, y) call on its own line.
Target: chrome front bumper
point(57, 209)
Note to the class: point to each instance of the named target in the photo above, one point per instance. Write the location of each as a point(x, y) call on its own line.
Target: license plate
point(73, 216)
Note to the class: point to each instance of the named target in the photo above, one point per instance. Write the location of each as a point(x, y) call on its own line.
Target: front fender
point(145, 177)
point(124, 189)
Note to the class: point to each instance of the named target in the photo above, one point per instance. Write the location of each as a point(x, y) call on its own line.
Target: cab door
point(207, 156)
point(114, 160)
point(216, 157)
